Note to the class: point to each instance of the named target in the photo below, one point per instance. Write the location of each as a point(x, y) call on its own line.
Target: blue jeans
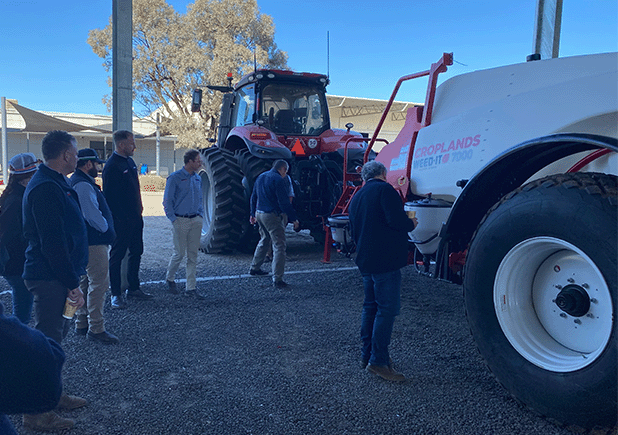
point(381, 305)
point(22, 298)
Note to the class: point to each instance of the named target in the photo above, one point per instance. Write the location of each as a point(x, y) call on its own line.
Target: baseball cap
point(23, 163)
point(89, 154)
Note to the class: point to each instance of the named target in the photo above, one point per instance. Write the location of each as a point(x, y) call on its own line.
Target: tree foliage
point(173, 53)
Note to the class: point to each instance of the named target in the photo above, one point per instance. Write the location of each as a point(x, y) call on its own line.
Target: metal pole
point(547, 26)
point(158, 145)
point(28, 142)
point(122, 65)
point(5, 146)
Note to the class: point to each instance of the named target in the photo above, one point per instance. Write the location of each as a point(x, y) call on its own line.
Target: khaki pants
point(187, 233)
point(272, 232)
point(94, 285)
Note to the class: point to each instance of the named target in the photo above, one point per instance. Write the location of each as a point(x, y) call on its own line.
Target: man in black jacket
point(57, 253)
point(379, 226)
point(122, 192)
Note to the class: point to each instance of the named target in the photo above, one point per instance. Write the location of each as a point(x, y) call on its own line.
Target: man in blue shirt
point(269, 200)
point(183, 206)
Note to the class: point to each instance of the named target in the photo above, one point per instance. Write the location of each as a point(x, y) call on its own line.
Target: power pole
point(122, 65)
point(547, 26)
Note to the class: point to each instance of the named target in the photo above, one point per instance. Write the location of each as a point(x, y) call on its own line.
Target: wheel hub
point(573, 300)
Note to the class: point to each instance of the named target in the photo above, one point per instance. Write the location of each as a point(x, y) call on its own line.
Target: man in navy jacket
point(30, 371)
point(379, 226)
point(57, 253)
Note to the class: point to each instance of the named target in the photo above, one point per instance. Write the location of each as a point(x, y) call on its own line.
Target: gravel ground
point(250, 359)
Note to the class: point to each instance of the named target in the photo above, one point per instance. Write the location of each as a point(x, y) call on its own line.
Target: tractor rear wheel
point(251, 167)
point(224, 201)
point(540, 294)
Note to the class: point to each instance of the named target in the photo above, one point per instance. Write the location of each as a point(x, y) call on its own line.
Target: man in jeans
point(182, 202)
point(269, 200)
point(100, 225)
point(379, 226)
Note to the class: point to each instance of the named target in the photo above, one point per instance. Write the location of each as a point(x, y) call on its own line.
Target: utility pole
point(547, 25)
point(122, 65)
point(5, 147)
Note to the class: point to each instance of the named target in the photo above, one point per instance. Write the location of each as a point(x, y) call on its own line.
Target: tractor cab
point(286, 103)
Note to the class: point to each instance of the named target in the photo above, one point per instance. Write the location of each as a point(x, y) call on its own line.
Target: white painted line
point(244, 275)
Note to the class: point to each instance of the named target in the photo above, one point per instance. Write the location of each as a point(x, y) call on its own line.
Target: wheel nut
point(571, 280)
point(584, 285)
point(579, 322)
point(563, 315)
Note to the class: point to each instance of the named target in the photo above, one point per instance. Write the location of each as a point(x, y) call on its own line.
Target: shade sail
point(37, 122)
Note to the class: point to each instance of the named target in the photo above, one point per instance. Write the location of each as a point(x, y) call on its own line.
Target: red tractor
point(270, 115)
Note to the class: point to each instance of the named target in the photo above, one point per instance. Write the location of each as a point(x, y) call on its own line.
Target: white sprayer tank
point(431, 214)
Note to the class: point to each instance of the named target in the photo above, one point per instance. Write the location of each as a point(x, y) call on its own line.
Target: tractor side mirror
point(196, 101)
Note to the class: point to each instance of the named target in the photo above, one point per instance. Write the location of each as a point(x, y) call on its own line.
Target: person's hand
point(415, 220)
point(252, 220)
point(77, 296)
point(296, 226)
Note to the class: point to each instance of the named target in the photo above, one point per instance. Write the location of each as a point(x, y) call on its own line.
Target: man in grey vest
point(100, 225)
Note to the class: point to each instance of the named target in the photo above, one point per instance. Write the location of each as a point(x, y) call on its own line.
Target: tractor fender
point(505, 173)
point(269, 148)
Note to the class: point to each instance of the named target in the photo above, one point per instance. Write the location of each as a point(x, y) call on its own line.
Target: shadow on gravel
point(250, 359)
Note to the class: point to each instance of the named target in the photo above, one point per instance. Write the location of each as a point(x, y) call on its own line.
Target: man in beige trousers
point(182, 202)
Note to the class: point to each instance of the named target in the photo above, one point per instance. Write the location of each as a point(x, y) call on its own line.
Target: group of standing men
point(68, 225)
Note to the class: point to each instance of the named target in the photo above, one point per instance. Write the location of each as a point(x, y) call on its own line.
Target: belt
point(266, 212)
point(188, 216)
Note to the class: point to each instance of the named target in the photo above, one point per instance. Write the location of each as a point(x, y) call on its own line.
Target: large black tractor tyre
point(251, 167)
point(224, 201)
point(540, 294)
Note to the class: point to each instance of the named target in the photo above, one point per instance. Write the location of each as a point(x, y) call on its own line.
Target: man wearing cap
point(182, 202)
point(122, 192)
point(56, 256)
point(12, 243)
point(99, 223)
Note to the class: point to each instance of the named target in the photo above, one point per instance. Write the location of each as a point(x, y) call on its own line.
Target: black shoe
point(364, 362)
point(138, 294)
point(386, 372)
point(119, 302)
point(280, 284)
point(81, 331)
point(103, 337)
point(194, 294)
point(258, 272)
point(172, 287)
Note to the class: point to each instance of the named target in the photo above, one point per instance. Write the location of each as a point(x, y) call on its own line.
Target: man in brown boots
point(56, 256)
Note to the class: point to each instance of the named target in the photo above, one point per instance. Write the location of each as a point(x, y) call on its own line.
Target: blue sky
point(46, 64)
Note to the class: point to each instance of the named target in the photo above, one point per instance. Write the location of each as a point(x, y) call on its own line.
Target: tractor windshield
point(294, 109)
